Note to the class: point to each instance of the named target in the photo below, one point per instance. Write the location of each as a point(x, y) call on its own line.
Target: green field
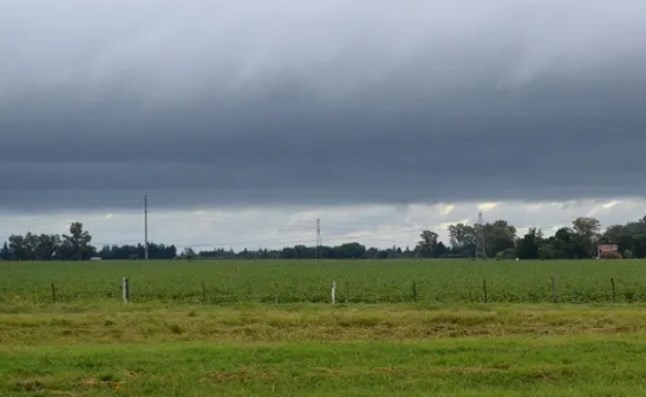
point(232, 338)
point(361, 281)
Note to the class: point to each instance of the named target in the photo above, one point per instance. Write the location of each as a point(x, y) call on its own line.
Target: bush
point(611, 255)
point(509, 253)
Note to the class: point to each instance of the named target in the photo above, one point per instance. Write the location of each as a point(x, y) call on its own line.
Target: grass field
point(169, 342)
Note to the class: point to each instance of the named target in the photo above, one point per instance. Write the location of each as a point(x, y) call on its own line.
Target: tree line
point(499, 240)
point(491, 240)
point(75, 246)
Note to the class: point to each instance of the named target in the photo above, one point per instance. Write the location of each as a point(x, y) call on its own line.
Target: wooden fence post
point(555, 297)
point(203, 293)
point(53, 293)
point(484, 290)
point(333, 292)
point(614, 291)
point(125, 290)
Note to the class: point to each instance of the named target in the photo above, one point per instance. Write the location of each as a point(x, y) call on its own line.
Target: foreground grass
point(322, 350)
point(518, 366)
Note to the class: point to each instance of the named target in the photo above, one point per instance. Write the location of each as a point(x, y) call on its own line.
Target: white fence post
point(333, 292)
point(125, 289)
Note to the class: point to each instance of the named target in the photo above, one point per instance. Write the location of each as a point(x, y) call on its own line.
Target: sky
point(245, 121)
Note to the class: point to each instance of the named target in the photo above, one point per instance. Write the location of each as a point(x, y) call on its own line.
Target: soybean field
point(311, 281)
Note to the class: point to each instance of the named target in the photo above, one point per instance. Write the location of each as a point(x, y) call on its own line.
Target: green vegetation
point(232, 338)
point(360, 281)
point(322, 350)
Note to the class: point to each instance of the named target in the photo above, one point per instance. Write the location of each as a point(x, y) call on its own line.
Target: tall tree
point(427, 244)
point(18, 248)
point(5, 253)
point(47, 246)
point(76, 245)
point(499, 236)
point(463, 239)
point(587, 233)
point(528, 246)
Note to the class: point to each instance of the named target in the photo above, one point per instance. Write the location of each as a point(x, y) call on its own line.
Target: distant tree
point(463, 239)
point(47, 246)
point(76, 245)
point(18, 247)
point(189, 253)
point(587, 234)
point(528, 246)
point(427, 244)
point(31, 242)
point(350, 251)
point(548, 251)
point(499, 236)
point(629, 238)
point(440, 250)
point(5, 253)
point(509, 253)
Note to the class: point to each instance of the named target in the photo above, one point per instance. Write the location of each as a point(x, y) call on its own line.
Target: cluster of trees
point(155, 251)
point(73, 246)
point(352, 250)
point(499, 240)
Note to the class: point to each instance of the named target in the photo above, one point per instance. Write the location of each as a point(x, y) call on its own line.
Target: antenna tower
point(481, 249)
point(146, 227)
point(317, 250)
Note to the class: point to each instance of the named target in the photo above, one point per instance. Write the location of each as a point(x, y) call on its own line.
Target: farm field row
point(388, 281)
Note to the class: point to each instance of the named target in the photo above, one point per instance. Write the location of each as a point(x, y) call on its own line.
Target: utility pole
point(481, 250)
point(318, 239)
point(146, 227)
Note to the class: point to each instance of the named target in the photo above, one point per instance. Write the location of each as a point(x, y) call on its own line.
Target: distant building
point(605, 249)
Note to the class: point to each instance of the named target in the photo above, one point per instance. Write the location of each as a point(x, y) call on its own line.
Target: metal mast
point(146, 227)
point(317, 252)
point(481, 249)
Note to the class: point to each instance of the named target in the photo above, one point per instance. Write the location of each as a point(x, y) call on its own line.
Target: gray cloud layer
point(315, 102)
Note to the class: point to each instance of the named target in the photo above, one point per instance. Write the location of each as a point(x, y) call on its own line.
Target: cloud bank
point(317, 103)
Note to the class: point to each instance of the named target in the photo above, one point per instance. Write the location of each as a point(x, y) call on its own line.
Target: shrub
point(611, 255)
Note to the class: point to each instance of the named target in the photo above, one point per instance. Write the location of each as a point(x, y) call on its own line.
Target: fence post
point(414, 291)
point(614, 291)
point(276, 292)
point(53, 293)
point(125, 289)
point(555, 297)
point(333, 292)
point(203, 293)
point(484, 290)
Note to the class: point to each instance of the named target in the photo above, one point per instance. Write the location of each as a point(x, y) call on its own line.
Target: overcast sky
point(245, 120)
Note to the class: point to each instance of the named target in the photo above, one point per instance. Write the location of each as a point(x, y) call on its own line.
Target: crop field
point(393, 281)
point(267, 328)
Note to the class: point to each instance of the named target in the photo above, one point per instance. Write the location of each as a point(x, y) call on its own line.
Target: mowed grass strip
point(105, 324)
point(482, 366)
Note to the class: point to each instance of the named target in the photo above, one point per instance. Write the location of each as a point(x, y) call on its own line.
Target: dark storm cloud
point(301, 102)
